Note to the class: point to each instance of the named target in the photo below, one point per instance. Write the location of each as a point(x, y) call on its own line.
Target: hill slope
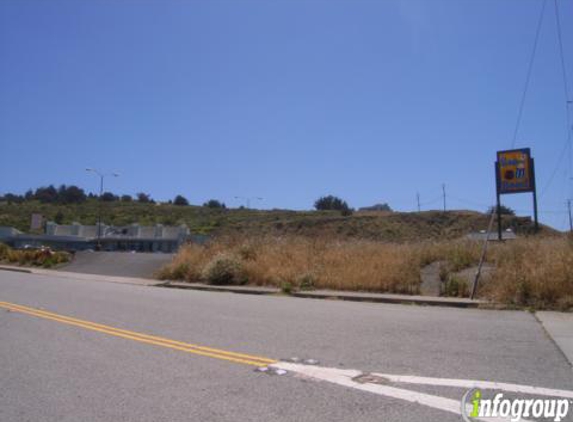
point(384, 226)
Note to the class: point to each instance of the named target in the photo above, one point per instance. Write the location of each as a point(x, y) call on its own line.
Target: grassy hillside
point(385, 226)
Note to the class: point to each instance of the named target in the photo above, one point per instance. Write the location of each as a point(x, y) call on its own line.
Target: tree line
point(71, 194)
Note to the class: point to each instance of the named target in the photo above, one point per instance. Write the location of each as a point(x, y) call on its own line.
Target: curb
point(262, 291)
point(352, 297)
point(226, 289)
point(16, 270)
point(388, 298)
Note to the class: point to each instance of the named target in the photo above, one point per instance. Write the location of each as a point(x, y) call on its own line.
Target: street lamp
point(101, 177)
point(248, 199)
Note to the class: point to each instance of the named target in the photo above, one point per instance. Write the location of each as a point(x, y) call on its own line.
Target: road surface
point(124, 264)
point(57, 365)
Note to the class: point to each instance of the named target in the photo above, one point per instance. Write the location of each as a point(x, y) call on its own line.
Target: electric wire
point(528, 76)
point(567, 145)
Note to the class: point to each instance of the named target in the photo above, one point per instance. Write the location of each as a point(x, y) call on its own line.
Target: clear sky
point(372, 101)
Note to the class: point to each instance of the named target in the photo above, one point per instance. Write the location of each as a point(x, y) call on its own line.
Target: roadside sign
point(515, 171)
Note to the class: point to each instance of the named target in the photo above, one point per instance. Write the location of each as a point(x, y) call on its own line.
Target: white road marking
point(345, 378)
point(485, 385)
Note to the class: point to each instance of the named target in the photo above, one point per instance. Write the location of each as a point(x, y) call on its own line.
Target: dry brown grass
point(324, 264)
point(33, 257)
point(528, 272)
point(535, 273)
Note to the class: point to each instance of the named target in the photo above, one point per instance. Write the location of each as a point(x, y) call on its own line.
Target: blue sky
point(372, 101)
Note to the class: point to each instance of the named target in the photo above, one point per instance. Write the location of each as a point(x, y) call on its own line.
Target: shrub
point(143, 198)
point(286, 287)
point(346, 212)
point(215, 204)
point(35, 257)
point(306, 282)
point(224, 269)
point(180, 201)
point(503, 210)
point(456, 287)
point(109, 197)
point(178, 271)
point(331, 202)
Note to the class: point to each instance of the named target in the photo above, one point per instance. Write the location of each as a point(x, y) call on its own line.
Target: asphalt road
point(123, 264)
point(53, 371)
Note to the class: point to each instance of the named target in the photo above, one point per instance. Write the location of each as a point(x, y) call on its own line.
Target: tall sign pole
point(570, 217)
point(515, 173)
point(535, 217)
point(498, 201)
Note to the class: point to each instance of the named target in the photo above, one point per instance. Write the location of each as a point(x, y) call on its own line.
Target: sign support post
point(498, 203)
point(536, 220)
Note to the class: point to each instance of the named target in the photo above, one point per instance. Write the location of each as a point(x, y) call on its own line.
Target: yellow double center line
point(143, 338)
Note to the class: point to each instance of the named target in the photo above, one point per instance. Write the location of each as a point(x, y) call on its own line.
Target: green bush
point(456, 287)
point(224, 269)
point(286, 287)
point(36, 257)
point(306, 282)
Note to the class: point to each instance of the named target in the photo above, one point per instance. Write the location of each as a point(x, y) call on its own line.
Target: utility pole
point(418, 199)
point(444, 193)
point(570, 217)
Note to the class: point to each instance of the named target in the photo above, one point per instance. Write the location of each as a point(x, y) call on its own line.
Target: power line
point(565, 84)
point(433, 201)
point(560, 42)
point(483, 205)
point(556, 168)
point(528, 77)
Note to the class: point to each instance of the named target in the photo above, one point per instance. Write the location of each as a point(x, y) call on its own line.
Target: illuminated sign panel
point(515, 171)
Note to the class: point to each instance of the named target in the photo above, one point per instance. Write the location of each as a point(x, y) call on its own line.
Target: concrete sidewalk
point(80, 276)
point(336, 295)
point(259, 290)
point(559, 326)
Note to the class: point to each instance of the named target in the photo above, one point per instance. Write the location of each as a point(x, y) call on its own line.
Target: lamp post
point(101, 177)
point(248, 199)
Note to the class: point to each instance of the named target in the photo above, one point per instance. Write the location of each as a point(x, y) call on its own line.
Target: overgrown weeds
point(33, 257)
point(305, 263)
point(528, 272)
point(534, 273)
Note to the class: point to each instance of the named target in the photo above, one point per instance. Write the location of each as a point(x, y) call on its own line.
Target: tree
point(126, 198)
point(180, 201)
point(330, 203)
point(213, 203)
point(503, 210)
point(46, 194)
point(71, 195)
point(13, 198)
point(144, 198)
point(109, 197)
